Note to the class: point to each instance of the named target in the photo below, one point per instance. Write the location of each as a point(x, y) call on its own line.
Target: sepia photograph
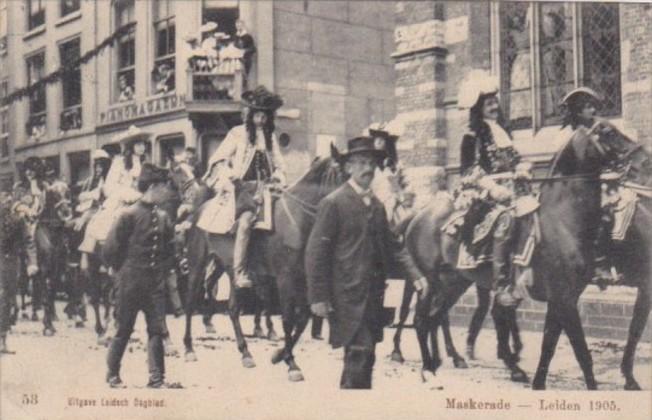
point(325, 209)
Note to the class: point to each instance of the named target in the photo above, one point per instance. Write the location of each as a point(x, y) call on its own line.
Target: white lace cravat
point(500, 136)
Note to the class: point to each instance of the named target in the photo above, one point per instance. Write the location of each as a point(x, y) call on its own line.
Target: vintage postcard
point(293, 209)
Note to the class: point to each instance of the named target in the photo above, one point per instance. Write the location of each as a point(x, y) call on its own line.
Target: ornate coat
point(237, 150)
point(480, 150)
point(348, 256)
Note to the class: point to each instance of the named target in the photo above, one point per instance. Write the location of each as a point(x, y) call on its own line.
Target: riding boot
point(501, 265)
point(240, 249)
point(604, 273)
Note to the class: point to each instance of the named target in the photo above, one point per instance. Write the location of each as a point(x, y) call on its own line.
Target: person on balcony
point(244, 41)
point(126, 91)
point(250, 158)
point(209, 44)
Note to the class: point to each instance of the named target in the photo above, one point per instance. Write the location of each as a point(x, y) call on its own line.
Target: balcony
point(36, 126)
point(71, 118)
point(214, 85)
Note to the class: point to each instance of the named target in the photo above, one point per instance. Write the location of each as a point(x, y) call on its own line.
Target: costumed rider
point(120, 187)
point(91, 195)
point(488, 159)
point(29, 202)
point(579, 107)
point(247, 162)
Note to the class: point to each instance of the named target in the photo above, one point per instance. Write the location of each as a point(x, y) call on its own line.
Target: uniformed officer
point(139, 248)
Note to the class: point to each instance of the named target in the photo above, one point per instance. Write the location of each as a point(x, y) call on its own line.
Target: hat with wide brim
point(476, 84)
point(100, 154)
point(133, 134)
point(365, 145)
point(581, 92)
point(261, 99)
point(208, 27)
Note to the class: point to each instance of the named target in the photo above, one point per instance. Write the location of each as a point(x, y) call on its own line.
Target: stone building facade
point(330, 60)
point(539, 51)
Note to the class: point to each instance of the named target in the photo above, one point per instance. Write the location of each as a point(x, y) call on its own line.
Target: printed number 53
point(30, 399)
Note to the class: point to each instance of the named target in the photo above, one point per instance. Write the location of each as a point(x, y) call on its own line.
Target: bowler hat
point(261, 99)
point(366, 144)
point(151, 174)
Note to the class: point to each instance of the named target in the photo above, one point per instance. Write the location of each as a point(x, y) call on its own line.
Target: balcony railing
point(36, 125)
point(210, 80)
point(71, 118)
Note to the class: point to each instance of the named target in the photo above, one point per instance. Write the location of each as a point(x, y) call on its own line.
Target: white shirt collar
point(500, 136)
point(357, 188)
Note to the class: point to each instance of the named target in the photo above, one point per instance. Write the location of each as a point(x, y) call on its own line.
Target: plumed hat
point(581, 93)
point(474, 85)
point(261, 99)
point(131, 135)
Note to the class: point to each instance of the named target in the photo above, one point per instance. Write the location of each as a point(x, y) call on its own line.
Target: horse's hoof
point(632, 385)
point(295, 375)
point(35, 317)
point(258, 333)
point(49, 332)
point(460, 363)
point(538, 386)
point(248, 362)
point(191, 356)
point(592, 385)
point(518, 375)
point(24, 316)
point(278, 356)
point(470, 352)
point(272, 336)
point(210, 329)
point(396, 356)
point(101, 340)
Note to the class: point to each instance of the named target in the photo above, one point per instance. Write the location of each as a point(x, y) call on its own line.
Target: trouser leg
point(359, 360)
point(126, 311)
point(240, 249)
point(156, 330)
point(173, 292)
point(501, 250)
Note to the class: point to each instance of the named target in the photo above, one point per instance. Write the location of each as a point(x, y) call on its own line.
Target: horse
point(49, 233)
point(278, 254)
point(632, 255)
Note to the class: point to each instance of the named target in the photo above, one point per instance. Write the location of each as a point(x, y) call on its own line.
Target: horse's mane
point(314, 173)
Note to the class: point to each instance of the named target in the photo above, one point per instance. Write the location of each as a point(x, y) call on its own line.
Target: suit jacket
point(349, 253)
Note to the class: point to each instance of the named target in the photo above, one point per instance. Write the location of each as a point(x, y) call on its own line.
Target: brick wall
point(636, 68)
point(332, 61)
point(604, 314)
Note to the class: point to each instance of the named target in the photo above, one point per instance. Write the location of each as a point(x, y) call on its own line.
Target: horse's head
point(625, 155)
point(324, 176)
point(59, 197)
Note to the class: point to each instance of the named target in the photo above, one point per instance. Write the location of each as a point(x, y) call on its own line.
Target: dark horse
point(49, 234)
point(278, 254)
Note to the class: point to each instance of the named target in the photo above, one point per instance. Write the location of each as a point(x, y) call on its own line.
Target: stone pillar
point(420, 64)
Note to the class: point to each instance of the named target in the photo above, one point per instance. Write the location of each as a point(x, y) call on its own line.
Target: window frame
point(536, 87)
point(116, 70)
point(31, 17)
point(73, 111)
point(63, 11)
point(159, 24)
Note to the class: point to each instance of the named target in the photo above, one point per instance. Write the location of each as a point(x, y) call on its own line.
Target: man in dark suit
point(349, 253)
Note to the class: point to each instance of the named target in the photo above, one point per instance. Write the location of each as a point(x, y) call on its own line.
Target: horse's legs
point(404, 311)
point(572, 324)
point(434, 346)
point(267, 309)
point(636, 327)
point(421, 326)
point(477, 320)
point(504, 318)
point(451, 351)
point(209, 301)
point(551, 332)
point(198, 258)
point(48, 305)
point(234, 314)
point(37, 294)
